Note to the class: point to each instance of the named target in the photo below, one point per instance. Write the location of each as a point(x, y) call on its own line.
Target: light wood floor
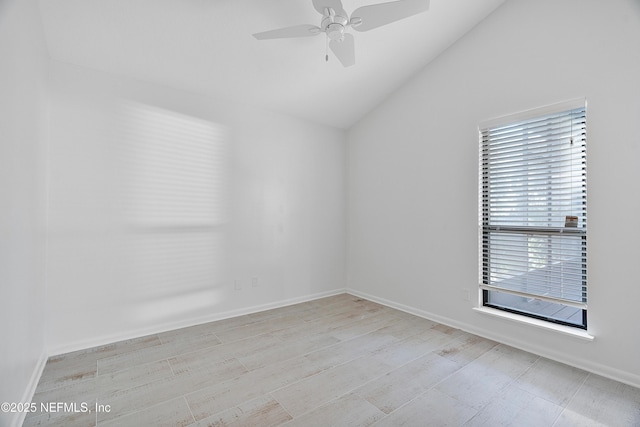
point(338, 361)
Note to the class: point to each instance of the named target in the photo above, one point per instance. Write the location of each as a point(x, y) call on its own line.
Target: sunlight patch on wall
point(176, 169)
point(175, 203)
point(173, 308)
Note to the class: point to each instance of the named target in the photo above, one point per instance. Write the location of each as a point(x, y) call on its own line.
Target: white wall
point(22, 200)
point(413, 174)
point(123, 261)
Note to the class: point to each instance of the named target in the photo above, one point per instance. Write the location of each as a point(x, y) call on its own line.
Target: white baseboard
point(27, 396)
point(125, 335)
point(587, 365)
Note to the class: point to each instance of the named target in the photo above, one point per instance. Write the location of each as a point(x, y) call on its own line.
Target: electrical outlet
point(465, 294)
point(237, 285)
point(254, 282)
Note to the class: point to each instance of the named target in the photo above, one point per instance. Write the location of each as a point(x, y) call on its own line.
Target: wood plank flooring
point(337, 361)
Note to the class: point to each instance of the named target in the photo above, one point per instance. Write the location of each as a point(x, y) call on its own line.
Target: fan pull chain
point(326, 50)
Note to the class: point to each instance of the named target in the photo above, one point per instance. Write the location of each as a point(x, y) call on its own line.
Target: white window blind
point(533, 175)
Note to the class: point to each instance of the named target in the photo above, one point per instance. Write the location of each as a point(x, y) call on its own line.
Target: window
point(533, 187)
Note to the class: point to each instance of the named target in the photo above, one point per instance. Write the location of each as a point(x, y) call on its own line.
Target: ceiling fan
point(335, 20)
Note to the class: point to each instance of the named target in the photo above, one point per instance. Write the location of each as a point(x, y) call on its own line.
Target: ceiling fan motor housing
point(333, 25)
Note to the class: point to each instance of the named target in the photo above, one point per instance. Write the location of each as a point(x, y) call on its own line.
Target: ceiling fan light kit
point(335, 21)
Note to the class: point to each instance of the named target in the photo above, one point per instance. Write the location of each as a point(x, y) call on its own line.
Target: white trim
point(567, 330)
point(19, 417)
point(108, 339)
point(549, 353)
point(533, 112)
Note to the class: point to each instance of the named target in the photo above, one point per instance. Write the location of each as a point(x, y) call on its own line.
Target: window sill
point(567, 330)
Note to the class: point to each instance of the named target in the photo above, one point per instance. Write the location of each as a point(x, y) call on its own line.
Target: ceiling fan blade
point(344, 50)
point(306, 30)
point(336, 5)
point(377, 15)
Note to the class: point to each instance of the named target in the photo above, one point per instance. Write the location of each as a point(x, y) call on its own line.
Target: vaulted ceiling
point(206, 47)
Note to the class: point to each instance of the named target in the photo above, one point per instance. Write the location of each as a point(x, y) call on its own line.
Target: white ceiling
point(206, 46)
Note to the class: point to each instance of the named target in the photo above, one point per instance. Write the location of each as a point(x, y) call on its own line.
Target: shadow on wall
point(174, 201)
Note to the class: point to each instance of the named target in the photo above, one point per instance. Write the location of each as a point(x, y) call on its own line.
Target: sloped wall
point(413, 171)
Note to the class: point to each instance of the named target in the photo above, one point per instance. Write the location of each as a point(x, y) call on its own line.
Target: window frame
point(485, 227)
